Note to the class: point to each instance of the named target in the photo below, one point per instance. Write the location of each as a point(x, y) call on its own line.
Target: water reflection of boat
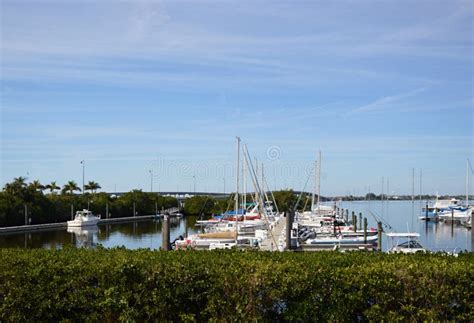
point(84, 235)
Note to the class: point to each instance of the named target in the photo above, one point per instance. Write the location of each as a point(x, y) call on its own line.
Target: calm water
point(132, 235)
point(401, 216)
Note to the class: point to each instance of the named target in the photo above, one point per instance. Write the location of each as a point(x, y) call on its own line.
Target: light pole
point(83, 174)
point(151, 180)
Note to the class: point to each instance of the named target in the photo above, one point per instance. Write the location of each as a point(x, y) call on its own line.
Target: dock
point(53, 226)
point(278, 232)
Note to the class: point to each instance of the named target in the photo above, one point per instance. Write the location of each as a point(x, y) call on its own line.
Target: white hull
point(461, 216)
point(342, 240)
point(75, 223)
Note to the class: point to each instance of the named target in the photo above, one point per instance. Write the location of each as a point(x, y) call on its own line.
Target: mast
point(319, 178)
point(467, 182)
point(421, 183)
point(244, 175)
point(237, 188)
point(313, 199)
point(383, 184)
point(413, 185)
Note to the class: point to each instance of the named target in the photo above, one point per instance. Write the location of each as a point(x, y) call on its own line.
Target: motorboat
point(404, 243)
point(83, 218)
point(459, 215)
point(342, 240)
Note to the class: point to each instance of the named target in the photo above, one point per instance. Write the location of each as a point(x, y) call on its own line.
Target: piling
point(26, 214)
point(106, 210)
point(347, 215)
point(365, 230)
point(360, 220)
point(289, 225)
point(426, 211)
point(165, 245)
point(72, 211)
point(134, 213)
point(379, 235)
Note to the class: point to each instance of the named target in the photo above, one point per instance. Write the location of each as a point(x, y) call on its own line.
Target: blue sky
point(380, 87)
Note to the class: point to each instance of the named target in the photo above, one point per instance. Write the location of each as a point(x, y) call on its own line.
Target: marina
point(146, 232)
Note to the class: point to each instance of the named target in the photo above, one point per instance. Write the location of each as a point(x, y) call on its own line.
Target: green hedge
point(120, 284)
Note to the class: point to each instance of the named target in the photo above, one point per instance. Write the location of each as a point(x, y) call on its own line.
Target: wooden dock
point(278, 232)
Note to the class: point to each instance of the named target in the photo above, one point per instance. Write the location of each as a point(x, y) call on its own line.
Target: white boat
point(455, 215)
point(341, 240)
point(83, 218)
point(404, 243)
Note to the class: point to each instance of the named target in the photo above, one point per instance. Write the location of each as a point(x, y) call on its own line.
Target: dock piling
point(365, 230)
point(360, 220)
point(379, 235)
point(165, 245)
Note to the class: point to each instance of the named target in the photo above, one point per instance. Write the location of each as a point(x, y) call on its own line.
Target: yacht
point(83, 218)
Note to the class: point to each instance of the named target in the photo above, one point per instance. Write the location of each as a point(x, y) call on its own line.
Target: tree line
point(50, 203)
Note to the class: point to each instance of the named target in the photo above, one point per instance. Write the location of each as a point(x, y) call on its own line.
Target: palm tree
point(52, 187)
point(71, 187)
point(17, 186)
point(92, 186)
point(36, 185)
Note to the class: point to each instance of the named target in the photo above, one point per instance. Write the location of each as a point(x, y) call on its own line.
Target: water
point(402, 216)
point(132, 235)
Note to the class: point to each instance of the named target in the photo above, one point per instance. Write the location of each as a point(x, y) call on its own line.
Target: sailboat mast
point(237, 172)
point(421, 183)
point(244, 176)
point(467, 182)
point(319, 178)
point(314, 185)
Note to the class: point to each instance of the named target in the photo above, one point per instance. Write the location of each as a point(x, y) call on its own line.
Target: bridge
point(181, 195)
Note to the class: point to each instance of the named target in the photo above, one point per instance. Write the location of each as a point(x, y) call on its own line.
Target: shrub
point(120, 284)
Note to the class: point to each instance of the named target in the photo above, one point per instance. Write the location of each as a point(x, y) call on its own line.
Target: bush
point(120, 284)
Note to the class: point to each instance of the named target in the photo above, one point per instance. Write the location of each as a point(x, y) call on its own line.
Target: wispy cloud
point(385, 102)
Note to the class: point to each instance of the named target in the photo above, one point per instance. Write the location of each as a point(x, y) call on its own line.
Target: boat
point(404, 243)
point(455, 214)
point(84, 218)
point(343, 240)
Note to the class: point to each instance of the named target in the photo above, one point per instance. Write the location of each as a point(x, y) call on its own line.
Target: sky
point(380, 87)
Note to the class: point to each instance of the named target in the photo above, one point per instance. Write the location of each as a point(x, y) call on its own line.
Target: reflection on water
point(398, 216)
point(402, 216)
point(132, 235)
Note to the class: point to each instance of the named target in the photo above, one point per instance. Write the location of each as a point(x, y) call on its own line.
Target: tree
point(199, 204)
point(92, 186)
point(37, 186)
point(52, 187)
point(71, 187)
point(17, 187)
